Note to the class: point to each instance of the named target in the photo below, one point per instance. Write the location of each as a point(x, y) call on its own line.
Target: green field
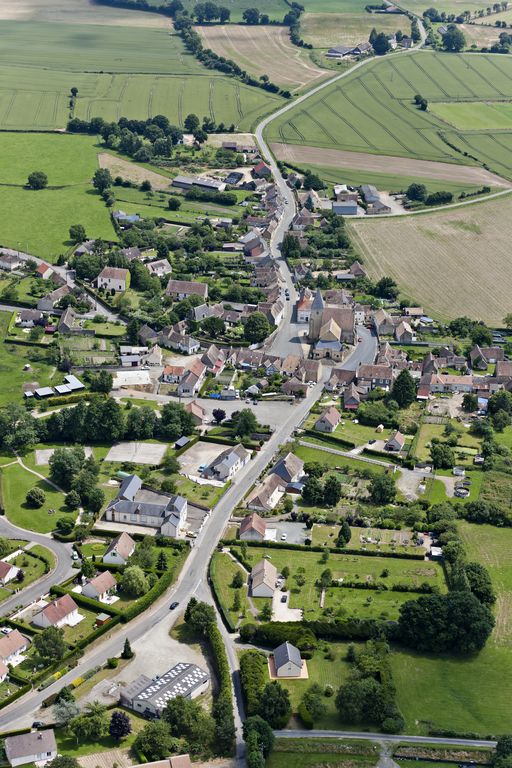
point(474, 117)
point(12, 360)
point(222, 569)
point(15, 482)
point(324, 30)
point(312, 753)
point(39, 222)
point(372, 110)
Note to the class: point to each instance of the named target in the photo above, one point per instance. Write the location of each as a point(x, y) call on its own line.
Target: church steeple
point(318, 302)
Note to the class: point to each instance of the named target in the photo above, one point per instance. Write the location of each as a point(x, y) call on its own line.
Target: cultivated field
point(469, 247)
point(118, 166)
point(264, 51)
point(481, 35)
point(372, 110)
point(470, 116)
point(399, 166)
point(38, 222)
point(324, 30)
point(76, 12)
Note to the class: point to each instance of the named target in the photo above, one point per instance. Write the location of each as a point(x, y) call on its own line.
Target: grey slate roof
point(318, 302)
point(129, 487)
point(28, 744)
point(285, 653)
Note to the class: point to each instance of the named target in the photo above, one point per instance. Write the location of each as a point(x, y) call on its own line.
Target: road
point(383, 737)
point(61, 572)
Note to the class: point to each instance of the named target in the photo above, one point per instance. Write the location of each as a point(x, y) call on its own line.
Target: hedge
point(325, 438)
point(388, 457)
point(98, 632)
point(309, 548)
point(16, 732)
point(305, 633)
point(16, 695)
point(305, 716)
point(163, 583)
point(87, 602)
point(253, 676)
point(222, 709)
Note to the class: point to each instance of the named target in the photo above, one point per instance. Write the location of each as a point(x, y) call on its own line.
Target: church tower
point(315, 320)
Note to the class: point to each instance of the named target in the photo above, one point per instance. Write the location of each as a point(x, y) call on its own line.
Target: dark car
point(371, 442)
point(173, 605)
point(38, 724)
point(284, 598)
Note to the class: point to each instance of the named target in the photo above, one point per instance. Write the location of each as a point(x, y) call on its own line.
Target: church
point(330, 327)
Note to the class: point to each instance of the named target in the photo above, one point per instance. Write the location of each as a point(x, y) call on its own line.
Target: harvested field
point(264, 51)
point(128, 170)
point(338, 158)
point(76, 12)
point(446, 261)
point(324, 30)
point(480, 34)
point(244, 139)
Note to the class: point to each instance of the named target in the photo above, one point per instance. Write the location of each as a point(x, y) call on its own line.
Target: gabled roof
point(264, 573)
point(59, 608)
point(287, 653)
point(103, 582)
point(5, 568)
point(123, 544)
point(288, 466)
point(253, 522)
point(331, 415)
point(113, 273)
point(12, 643)
point(129, 487)
point(29, 744)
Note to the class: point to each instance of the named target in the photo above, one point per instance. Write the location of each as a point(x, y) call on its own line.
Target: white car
point(284, 536)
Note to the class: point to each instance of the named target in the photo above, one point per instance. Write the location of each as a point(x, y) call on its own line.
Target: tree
point(65, 465)
point(507, 320)
point(256, 724)
point(50, 645)
point(88, 569)
point(192, 123)
point(382, 489)
point(18, 429)
point(37, 180)
point(219, 415)
point(469, 402)
point(64, 711)
point(155, 741)
point(454, 40)
point(357, 699)
point(404, 389)
point(381, 44)
point(373, 35)
point(102, 382)
point(332, 491)
point(344, 535)
point(251, 16)
point(480, 583)
point(134, 581)
point(275, 706)
point(72, 500)
point(120, 725)
point(161, 563)
point(481, 335)
point(224, 14)
point(102, 180)
point(213, 326)
point(36, 497)
point(77, 233)
point(313, 701)
point(187, 719)
point(64, 525)
point(140, 424)
point(127, 650)
point(63, 761)
point(442, 456)
point(257, 328)
point(313, 492)
point(457, 622)
point(386, 288)
point(200, 616)
point(238, 580)
point(174, 203)
point(246, 423)
point(416, 191)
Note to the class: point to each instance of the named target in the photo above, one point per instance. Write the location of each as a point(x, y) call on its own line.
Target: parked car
point(284, 598)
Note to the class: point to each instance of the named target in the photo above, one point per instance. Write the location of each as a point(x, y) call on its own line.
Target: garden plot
point(138, 453)
point(43, 455)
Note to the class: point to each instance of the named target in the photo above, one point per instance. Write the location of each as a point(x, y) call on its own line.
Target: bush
point(305, 716)
point(112, 662)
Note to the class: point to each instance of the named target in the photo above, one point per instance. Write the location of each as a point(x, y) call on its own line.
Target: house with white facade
point(135, 505)
point(119, 550)
point(33, 747)
point(228, 463)
point(63, 611)
point(113, 279)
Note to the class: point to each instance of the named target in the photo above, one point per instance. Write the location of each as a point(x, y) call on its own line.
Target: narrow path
point(380, 737)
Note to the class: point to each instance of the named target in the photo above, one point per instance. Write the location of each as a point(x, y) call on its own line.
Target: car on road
point(173, 605)
point(371, 442)
point(38, 724)
point(359, 338)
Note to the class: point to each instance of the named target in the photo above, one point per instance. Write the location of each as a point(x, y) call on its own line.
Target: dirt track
point(400, 166)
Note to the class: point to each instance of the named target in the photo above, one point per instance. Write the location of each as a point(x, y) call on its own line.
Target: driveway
point(281, 611)
point(296, 533)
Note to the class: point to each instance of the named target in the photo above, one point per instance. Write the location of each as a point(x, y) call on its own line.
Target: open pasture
point(76, 12)
point(38, 99)
point(263, 51)
point(372, 110)
point(416, 250)
point(38, 222)
point(324, 30)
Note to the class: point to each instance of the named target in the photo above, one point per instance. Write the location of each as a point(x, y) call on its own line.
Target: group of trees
point(454, 40)
point(325, 494)
point(380, 42)
point(209, 11)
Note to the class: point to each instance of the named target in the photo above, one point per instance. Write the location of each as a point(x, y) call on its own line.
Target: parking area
point(281, 611)
point(200, 454)
point(294, 533)
point(138, 453)
point(267, 412)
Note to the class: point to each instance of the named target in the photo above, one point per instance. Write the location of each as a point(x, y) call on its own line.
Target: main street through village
point(193, 580)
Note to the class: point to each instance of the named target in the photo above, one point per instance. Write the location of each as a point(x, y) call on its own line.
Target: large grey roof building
point(135, 505)
point(151, 696)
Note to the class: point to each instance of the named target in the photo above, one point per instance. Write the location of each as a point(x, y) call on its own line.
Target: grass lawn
point(84, 628)
point(38, 222)
point(461, 694)
point(323, 671)
point(316, 454)
point(505, 437)
point(497, 488)
point(492, 547)
point(311, 753)
point(344, 601)
point(7, 688)
point(68, 745)
point(359, 433)
point(222, 571)
point(16, 481)
point(140, 402)
point(12, 360)
point(208, 495)
point(388, 540)
point(96, 549)
point(106, 329)
point(32, 567)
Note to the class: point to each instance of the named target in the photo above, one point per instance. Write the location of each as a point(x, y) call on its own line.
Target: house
point(12, 646)
point(287, 661)
point(304, 305)
point(214, 359)
point(135, 505)
point(196, 411)
point(44, 271)
point(263, 579)
point(173, 374)
point(357, 270)
point(125, 218)
point(27, 318)
point(339, 379)
point(228, 463)
point(395, 442)
point(440, 382)
point(339, 52)
point(67, 322)
point(481, 357)
point(362, 48)
point(371, 377)
point(32, 747)
point(182, 289)
point(150, 696)
point(191, 382)
point(60, 612)
point(329, 420)
point(119, 550)
point(113, 279)
point(252, 528)
point(289, 468)
point(181, 342)
point(383, 323)
point(8, 572)
point(404, 333)
point(100, 587)
point(85, 248)
point(48, 302)
point(265, 496)
point(261, 171)
point(4, 672)
point(9, 262)
point(131, 254)
point(159, 268)
point(351, 398)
